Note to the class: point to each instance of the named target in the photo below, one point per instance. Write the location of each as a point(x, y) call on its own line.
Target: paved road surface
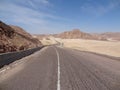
point(56, 68)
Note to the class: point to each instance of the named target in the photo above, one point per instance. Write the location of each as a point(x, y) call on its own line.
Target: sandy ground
point(111, 48)
point(49, 41)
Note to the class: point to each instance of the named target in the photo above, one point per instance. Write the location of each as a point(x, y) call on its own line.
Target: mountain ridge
point(14, 38)
point(78, 34)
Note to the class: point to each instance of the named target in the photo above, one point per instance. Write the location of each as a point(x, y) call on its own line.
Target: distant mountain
point(111, 35)
point(73, 34)
point(77, 34)
point(14, 38)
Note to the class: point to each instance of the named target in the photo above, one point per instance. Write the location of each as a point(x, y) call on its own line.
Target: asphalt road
point(55, 68)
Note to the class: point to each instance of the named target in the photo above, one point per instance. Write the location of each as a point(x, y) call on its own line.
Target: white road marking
point(2, 71)
point(58, 81)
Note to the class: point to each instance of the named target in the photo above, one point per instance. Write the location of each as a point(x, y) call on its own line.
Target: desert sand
point(111, 48)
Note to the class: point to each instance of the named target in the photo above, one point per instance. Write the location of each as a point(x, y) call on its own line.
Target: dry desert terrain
point(111, 48)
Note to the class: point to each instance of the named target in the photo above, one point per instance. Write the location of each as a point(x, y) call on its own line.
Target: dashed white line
point(58, 76)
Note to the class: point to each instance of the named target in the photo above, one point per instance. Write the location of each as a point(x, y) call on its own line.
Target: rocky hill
point(115, 36)
point(14, 38)
point(75, 34)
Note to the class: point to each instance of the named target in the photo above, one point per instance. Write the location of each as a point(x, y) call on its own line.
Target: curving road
point(55, 68)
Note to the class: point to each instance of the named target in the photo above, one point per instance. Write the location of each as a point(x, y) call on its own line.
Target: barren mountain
point(20, 31)
point(74, 34)
point(14, 38)
point(111, 35)
point(77, 34)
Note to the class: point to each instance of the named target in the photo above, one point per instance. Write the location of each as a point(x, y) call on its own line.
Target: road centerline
point(58, 76)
